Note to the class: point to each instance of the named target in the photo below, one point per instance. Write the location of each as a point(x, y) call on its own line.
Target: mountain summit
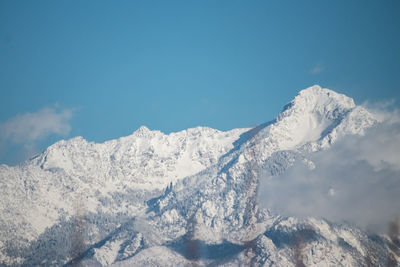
point(190, 197)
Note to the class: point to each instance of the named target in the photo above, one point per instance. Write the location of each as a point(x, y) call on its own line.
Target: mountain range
point(188, 198)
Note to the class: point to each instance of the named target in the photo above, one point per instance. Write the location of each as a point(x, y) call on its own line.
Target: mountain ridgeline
point(186, 198)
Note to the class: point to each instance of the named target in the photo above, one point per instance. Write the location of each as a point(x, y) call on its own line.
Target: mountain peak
point(212, 204)
point(316, 96)
point(143, 131)
point(317, 116)
point(320, 101)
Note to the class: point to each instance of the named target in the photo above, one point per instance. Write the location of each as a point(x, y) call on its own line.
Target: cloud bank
point(357, 180)
point(27, 129)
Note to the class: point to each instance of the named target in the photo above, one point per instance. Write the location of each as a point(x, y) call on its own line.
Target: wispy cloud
point(317, 69)
point(27, 129)
point(357, 180)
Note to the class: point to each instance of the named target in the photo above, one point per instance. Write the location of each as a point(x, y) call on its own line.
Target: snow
point(156, 256)
point(144, 199)
point(107, 254)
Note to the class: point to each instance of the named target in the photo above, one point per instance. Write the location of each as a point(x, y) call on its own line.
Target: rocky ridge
point(152, 199)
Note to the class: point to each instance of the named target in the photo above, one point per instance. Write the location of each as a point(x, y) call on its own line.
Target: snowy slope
point(151, 199)
point(225, 208)
point(115, 177)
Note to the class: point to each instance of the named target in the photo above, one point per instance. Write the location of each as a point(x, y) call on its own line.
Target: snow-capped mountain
point(151, 199)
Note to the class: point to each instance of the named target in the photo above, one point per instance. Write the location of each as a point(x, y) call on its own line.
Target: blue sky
point(100, 69)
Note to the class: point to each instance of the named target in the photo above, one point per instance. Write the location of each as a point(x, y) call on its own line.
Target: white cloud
point(384, 110)
point(317, 69)
point(29, 127)
point(357, 180)
point(20, 135)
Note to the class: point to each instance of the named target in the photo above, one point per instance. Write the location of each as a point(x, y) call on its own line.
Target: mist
point(357, 181)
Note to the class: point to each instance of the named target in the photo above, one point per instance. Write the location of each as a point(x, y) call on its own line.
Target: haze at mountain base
point(357, 180)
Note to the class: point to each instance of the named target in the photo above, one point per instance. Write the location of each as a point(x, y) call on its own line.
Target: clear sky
point(100, 69)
